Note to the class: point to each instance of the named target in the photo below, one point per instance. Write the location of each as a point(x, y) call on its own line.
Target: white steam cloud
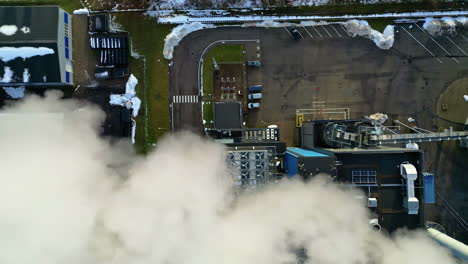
point(68, 196)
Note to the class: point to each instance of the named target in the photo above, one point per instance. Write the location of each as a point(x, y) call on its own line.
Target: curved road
point(183, 74)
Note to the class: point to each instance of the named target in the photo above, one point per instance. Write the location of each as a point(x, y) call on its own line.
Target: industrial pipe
point(458, 249)
point(374, 223)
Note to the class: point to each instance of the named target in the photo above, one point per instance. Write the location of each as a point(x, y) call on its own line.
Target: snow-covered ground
point(15, 92)
point(438, 26)
point(128, 100)
point(186, 18)
point(177, 34)
point(10, 53)
point(185, 4)
point(361, 28)
point(354, 27)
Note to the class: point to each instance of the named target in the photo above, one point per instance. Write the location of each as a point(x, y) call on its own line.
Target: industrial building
point(227, 115)
point(379, 172)
point(35, 46)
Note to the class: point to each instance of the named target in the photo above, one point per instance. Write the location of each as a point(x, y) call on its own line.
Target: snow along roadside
point(180, 19)
point(437, 27)
point(354, 27)
point(128, 100)
point(178, 33)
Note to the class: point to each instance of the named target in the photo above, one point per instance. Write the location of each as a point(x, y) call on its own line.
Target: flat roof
point(38, 67)
point(41, 21)
point(227, 115)
point(305, 153)
point(379, 149)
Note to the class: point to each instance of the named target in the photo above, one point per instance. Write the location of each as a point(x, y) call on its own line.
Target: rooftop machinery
point(370, 132)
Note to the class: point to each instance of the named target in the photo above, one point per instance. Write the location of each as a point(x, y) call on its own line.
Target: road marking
point(421, 44)
point(327, 32)
point(336, 31)
point(457, 46)
point(436, 42)
point(464, 37)
point(184, 99)
point(308, 32)
point(317, 32)
point(299, 33)
point(345, 30)
point(288, 32)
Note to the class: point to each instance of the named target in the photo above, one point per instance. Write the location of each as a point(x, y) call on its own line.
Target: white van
point(253, 105)
point(254, 96)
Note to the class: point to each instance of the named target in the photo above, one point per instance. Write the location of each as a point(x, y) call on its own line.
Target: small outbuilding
point(227, 115)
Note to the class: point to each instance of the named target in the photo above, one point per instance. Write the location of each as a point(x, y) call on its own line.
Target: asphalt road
point(329, 66)
point(183, 74)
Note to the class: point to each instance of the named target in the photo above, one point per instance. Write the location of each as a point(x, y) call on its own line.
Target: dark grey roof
point(41, 20)
point(227, 115)
point(38, 66)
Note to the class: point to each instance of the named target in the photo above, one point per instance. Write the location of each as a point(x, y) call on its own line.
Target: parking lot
point(328, 69)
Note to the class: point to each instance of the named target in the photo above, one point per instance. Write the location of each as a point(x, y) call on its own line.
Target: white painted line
point(308, 32)
point(336, 30)
point(421, 44)
point(299, 33)
point(174, 98)
point(288, 32)
point(436, 42)
point(458, 47)
point(345, 30)
point(317, 32)
point(327, 32)
point(464, 37)
point(172, 117)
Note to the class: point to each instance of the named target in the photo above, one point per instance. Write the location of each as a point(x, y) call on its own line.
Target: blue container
point(429, 191)
point(290, 160)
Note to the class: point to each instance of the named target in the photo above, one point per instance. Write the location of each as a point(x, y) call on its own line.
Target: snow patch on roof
point(7, 75)
point(8, 30)
point(362, 28)
point(15, 92)
point(10, 53)
point(26, 75)
point(26, 30)
point(178, 33)
point(82, 11)
point(437, 27)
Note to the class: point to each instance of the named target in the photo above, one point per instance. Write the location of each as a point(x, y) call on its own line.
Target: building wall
point(388, 187)
point(64, 46)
